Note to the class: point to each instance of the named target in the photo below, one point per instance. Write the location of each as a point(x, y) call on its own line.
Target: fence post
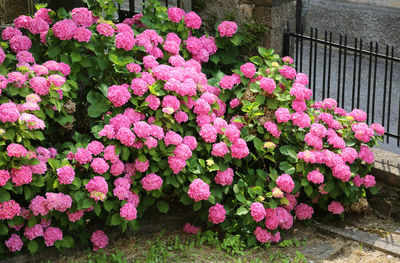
point(286, 42)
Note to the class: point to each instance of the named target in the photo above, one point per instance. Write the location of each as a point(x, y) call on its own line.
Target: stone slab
point(320, 251)
point(387, 166)
point(389, 244)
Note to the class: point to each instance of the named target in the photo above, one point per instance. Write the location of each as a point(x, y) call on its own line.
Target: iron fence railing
point(358, 74)
point(132, 7)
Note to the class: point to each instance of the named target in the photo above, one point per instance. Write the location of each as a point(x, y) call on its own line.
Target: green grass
point(177, 247)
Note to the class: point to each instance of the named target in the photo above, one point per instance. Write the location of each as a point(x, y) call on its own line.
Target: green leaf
point(242, 210)
point(308, 190)
point(115, 219)
point(33, 246)
point(288, 150)
point(108, 205)
point(287, 168)
point(3, 229)
point(236, 39)
point(86, 203)
point(32, 221)
point(75, 57)
point(53, 52)
point(241, 198)
point(197, 206)
point(272, 104)
point(162, 206)
point(258, 144)
point(67, 242)
point(4, 195)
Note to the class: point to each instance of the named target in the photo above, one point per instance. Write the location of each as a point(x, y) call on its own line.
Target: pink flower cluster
point(199, 190)
point(99, 240)
point(216, 214)
point(227, 28)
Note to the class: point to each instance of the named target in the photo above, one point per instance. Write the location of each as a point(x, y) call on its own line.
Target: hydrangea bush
point(102, 122)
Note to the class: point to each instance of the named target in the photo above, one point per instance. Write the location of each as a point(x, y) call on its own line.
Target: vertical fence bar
point(297, 51)
point(369, 79)
point(344, 70)
point(311, 55)
point(301, 50)
point(359, 76)
point(339, 70)
point(354, 74)
point(390, 96)
point(315, 63)
point(132, 6)
point(384, 87)
point(374, 89)
point(324, 72)
point(286, 41)
point(329, 69)
point(398, 126)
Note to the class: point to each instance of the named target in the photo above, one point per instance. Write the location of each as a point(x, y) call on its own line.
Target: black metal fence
point(358, 74)
point(132, 7)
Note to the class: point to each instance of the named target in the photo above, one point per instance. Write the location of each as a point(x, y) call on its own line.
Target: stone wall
point(273, 14)
point(10, 9)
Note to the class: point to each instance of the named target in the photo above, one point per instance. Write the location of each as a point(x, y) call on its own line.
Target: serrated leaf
point(4, 195)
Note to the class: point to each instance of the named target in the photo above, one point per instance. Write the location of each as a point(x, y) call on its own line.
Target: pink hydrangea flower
point(379, 129)
point(82, 16)
point(190, 229)
point(300, 119)
point(66, 174)
point(272, 128)
point(369, 181)
point(16, 150)
point(82, 34)
point(216, 214)
point(288, 72)
point(199, 190)
point(20, 43)
point(9, 209)
point(282, 115)
point(285, 182)
point(95, 147)
point(192, 20)
point(128, 211)
point(248, 69)
point(21, 176)
point(366, 154)
point(175, 14)
point(52, 234)
point(219, 149)
point(99, 240)
point(357, 180)
point(227, 28)
point(99, 165)
point(98, 188)
point(4, 177)
point(151, 182)
point(64, 29)
point(257, 211)
point(33, 232)
point(358, 115)
point(73, 217)
point(262, 235)
point(335, 208)
point(191, 142)
point(224, 177)
point(304, 211)
point(82, 156)
point(316, 177)
point(208, 133)
point(141, 166)
point(268, 85)
point(125, 40)
point(105, 29)
point(14, 243)
point(239, 149)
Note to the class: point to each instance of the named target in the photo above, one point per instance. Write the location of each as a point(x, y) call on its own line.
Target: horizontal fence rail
point(358, 74)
